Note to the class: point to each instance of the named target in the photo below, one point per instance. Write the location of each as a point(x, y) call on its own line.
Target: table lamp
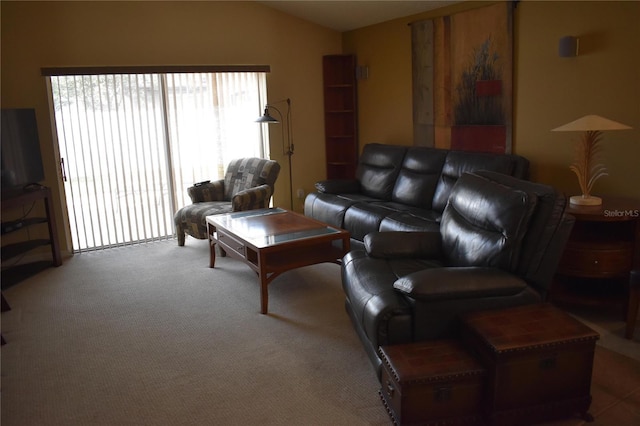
point(586, 165)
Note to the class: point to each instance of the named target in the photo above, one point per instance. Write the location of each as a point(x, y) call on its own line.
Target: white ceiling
point(352, 14)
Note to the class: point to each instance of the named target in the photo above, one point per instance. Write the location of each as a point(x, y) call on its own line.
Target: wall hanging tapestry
point(463, 80)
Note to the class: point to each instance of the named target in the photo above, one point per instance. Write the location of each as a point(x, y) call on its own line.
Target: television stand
point(16, 273)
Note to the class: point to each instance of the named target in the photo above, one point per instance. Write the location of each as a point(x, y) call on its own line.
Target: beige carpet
point(149, 335)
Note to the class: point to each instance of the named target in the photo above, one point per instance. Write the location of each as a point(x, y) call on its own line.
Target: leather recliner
point(498, 245)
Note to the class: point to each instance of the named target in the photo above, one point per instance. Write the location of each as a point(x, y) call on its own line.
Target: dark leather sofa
point(400, 188)
point(497, 244)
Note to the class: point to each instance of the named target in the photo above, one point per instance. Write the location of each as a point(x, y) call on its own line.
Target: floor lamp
point(287, 147)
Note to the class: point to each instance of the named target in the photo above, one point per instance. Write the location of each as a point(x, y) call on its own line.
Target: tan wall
point(604, 80)
point(549, 90)
point(56, 34)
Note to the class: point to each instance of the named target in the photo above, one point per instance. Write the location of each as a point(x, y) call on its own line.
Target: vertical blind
point(131, 144)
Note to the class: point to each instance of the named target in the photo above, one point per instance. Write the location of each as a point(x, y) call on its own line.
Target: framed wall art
point(463, 80)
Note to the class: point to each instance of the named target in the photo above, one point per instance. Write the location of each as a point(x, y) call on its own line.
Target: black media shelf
point(13, 250)
point(12, 270)
point(17, 225)
point(18, 273)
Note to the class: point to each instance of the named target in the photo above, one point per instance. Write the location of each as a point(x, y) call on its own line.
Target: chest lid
point(527, 328)
point(431, 361)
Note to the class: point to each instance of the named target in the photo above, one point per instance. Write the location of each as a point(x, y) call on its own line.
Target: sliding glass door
point(131, 144)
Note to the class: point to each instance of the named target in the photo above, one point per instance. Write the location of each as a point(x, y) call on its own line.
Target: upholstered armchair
point(248, 184)
point(499, 243)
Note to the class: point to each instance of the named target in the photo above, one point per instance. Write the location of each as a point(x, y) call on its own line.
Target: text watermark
point(622, 213)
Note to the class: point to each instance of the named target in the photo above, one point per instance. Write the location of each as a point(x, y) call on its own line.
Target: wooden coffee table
point(272, 241)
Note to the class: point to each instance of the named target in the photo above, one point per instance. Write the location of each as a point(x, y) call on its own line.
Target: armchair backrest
point(459, 162)
point(496, 220)
point(245, 173)
point(547, 234)
point(484, 223)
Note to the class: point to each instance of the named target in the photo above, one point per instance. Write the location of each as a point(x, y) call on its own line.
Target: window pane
point(133, 143)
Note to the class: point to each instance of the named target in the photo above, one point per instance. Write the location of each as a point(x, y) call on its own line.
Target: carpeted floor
point(149, 335)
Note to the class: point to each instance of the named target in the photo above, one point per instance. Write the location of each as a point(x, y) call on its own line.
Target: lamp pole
point(288, 150)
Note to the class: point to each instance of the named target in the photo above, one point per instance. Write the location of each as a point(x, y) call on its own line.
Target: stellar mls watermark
point(622, 213)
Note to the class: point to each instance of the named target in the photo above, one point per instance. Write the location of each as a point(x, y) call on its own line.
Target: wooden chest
point(539, 362)
point(434, 382)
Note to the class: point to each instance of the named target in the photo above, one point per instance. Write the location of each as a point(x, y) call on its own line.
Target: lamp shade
point(591, 123)
point(266, 117)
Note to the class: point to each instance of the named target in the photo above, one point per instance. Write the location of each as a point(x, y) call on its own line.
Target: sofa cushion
point(484, 223)
point(403, 245)
point(192, 219)
point(362, 218)
point(327, 208)
point(427, 220)
point(418, 177)
point(378, 169)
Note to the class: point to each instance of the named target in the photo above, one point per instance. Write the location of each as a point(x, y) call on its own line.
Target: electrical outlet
point(300, 193)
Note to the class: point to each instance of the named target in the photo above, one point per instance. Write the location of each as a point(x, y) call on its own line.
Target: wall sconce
point(586, 165)
point(568, 46)
point(362, 72)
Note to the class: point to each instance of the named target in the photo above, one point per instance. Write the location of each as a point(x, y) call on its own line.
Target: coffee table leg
point(264, 282)
point(264, 296)
point(212, 245)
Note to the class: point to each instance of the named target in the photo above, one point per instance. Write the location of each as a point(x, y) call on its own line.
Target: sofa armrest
point(338, 186)
point(400, 244)
point(459, 283)
point(211, 191)
point(253, 198)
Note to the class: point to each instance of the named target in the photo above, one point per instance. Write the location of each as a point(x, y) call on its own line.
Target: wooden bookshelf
point(340, 116)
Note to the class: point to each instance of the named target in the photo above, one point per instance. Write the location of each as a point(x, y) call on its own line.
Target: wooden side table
point(5, 307)
point(603, 248)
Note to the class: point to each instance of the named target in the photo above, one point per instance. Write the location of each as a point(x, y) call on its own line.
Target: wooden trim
point(152, 69)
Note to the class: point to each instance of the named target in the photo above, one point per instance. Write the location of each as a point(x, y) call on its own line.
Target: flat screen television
point(20, 151)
